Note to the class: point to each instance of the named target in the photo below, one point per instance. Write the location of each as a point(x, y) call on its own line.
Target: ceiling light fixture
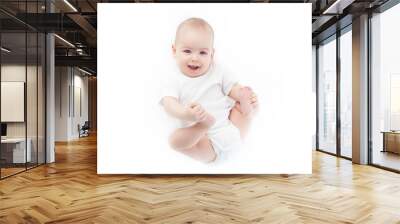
point(79, 51)
point(84, 71)
point(64, 40)
point(338, 6)
point(70, 5)
point(5, 50)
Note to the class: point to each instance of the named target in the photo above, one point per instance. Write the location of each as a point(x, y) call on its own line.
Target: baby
point(214, 109)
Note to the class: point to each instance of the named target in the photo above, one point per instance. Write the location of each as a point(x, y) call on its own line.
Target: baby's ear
point(173, 50)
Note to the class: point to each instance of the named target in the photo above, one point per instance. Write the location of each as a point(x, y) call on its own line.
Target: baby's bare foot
point(254, 104)
point(245, 96)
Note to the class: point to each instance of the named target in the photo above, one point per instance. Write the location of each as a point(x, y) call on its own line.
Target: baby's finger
point(193, 105)
point(199, 116)
point(204, 114)
point(202, 117)
point(199, 112)
point(197, 108)
point(248, 88)
point(202, 110)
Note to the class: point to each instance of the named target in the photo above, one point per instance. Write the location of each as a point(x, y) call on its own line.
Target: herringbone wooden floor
point(70, 191)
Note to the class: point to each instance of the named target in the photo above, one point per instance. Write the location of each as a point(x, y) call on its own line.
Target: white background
point(268, 46)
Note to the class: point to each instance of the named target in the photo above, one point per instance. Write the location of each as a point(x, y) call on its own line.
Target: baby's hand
point(195, 112)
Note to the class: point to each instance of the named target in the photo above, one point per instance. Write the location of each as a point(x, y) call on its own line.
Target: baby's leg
point(241, 120)
point(201, 151)
point(189, 140)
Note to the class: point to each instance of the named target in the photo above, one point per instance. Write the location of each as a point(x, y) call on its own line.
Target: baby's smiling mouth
point(193, 67)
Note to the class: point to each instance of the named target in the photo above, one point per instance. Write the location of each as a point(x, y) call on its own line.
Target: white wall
point(62, 80)
point(70, 82)
point(314, 90)
point(80, 83)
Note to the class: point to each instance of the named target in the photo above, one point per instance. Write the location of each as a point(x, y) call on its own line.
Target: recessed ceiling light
point(5, 50)
point(70, 5)
point(337, 7)
point(84, 71)
point(64, 40)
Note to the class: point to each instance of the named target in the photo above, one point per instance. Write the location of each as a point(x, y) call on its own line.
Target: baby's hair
point(197, 23)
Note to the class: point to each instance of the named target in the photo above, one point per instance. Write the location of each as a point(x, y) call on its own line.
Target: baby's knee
point(175, 144)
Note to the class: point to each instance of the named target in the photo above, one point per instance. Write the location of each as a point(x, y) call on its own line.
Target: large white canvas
point(267, 45)
point(12, 101)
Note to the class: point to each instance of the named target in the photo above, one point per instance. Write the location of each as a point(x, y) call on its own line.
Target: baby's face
point(193, 51)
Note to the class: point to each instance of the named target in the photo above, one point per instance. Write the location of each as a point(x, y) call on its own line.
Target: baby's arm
point(192, 113)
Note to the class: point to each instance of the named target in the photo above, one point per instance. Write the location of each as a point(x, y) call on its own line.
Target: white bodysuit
point(211, 92)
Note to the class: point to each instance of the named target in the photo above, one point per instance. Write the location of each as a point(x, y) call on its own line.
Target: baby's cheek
point(183, 65)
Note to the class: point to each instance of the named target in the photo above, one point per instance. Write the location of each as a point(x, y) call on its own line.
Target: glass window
point(346, 94)
point(14, 150)
point(327, 96)
point(31, 101)
point(385, 87)
point(22, 92)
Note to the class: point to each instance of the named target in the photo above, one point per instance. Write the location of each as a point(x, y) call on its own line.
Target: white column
point(50, 93)
point(63, 103)
point(50, 110)
point(360, 90)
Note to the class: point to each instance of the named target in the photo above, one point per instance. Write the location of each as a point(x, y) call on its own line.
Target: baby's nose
point(194, 57)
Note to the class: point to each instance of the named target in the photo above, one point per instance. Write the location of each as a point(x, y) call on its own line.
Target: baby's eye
point(187, 51)
point(203, 52)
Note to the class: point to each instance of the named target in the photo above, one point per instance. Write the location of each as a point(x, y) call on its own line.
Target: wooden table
point(391, 141)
